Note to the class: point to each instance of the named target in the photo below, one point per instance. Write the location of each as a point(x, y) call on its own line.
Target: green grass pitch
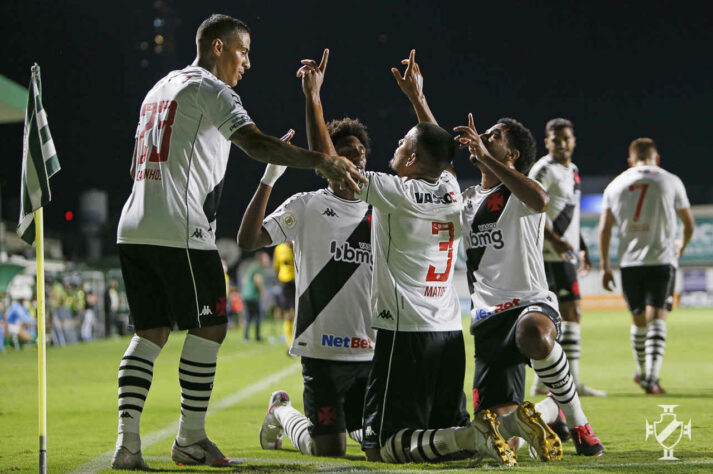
point(82, 404)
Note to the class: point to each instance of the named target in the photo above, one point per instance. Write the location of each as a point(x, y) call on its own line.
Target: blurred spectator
point(21, 326)
point(235, 306)
point(252, 292)
point(89, 317)
point(111, 307)
point(284, 263)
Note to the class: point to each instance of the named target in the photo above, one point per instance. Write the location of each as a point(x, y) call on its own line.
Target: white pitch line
point(102, 461)
point(241, 355)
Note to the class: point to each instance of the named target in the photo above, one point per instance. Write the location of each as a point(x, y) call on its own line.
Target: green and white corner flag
point(39, 160)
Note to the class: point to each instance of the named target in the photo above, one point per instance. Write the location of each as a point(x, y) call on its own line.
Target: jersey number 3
point(447, 246)
point(167, 108)
point(643, 187)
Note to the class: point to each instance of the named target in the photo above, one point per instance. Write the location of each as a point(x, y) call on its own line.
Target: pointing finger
point(409, 68)
point(325, 58)
point(288, 136)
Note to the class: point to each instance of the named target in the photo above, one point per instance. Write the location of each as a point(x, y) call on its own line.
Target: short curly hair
point(348, 126)
point(520, 138)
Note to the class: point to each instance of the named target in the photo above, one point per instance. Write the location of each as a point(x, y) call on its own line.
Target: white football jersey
point(333, 265)
point(415, 236)
point(503, 242)
point(182, 148)
point(644, 201)
point(563, 185)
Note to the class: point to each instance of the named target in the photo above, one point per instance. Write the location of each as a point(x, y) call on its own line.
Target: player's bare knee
point(640, 319)
point(158, 336)
point(503, 408)
point(535, 335)
point(571, 311)
point(212, 333)
point(654, 313)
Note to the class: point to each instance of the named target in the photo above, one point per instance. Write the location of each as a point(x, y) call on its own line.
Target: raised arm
point(312, 75)
point(251, 234)
point(606, 222)
point(524, 188)
point(411, 84)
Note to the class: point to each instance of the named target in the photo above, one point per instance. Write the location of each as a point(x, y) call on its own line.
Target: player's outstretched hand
point(273, 172)
point(342, 172)
point(468, 137)
point(312, 74)
point(608, 280)
point(411, 83)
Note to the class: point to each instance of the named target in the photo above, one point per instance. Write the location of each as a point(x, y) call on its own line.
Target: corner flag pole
point(39, 164)
point(41, 338)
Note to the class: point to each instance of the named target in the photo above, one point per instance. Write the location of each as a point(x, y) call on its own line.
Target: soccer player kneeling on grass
point(331, 231)
point(514, 317)
point(415, 406)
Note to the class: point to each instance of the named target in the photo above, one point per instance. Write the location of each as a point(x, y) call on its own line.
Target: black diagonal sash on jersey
point(212, 200)
point(330, 279)
point(488, 212)
point(563, 219)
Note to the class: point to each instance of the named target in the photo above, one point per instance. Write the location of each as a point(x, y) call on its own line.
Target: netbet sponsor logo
point(430, 198)
point(330, 340)
point(487, 235)
point(481, 314)
point(344, 252)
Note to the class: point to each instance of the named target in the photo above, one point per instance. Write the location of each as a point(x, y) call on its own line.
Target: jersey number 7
point(447, 246)
point(168, 108)
point(643, 187)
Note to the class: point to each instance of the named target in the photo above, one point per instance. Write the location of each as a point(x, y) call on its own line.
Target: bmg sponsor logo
point(330, 340)
point(486, 236)
point(344, 252)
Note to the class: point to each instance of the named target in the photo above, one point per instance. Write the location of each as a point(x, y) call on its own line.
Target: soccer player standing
point(563, 241)
point(166, 234)
point(331, 235)
point(514, 316)
point(644, 202)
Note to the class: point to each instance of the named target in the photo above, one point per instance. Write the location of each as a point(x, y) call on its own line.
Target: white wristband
point(272, 174)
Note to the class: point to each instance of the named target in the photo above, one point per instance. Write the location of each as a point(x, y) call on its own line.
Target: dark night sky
point(619, 70)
